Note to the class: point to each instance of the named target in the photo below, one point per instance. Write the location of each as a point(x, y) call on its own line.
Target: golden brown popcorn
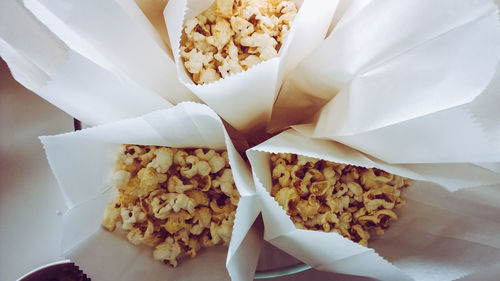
point(140, 235)
point(372, 178)
point(331, 197)
point(337, 205)
point(180, 158)
point(198, 167)
point(202, 219)
point(175, 200)
point(232, 36)
point(359, 234)
point(205, 156)
point(282, 174)
point(147, 156)
point(163, 160)
point(345, 220)
point(132, 215)
point(193, 246)
point(222, 232)
point(150, 179)
point(308, 208)
point(120, 179)
point(176, 221)
point(161, 204)
point(219, 205)
point(287, 198)
point(167, 251)
point(217, 163)
point(324, 220)
point(226, 182)
point(319, 188)
point(112, 216)
point(200, 197)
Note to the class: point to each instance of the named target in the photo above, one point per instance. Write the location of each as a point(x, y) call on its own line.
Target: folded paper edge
point(43, 139)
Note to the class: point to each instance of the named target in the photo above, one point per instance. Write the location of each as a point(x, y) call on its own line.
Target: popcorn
point(202, 218)
point(232, 36)
point(263, 43)
point(200, 197)
point(176, 221)
point(112, 216)
point(163, 160)
point(183, 202)
point(176, 185)
point(194, 60)
point(225, 183)
point(224, 8)
point(180, 158)
point(221, 206)
point(131, 216)
point(217, 163)
point(197, 167)
point(140, 235)
point(161, 206)
point(287, 198)
point(175, 200)
point(120, 179)
point(167, 251)
point(331, 197)
point(308, 208)
point(221, 33)
point(149, 179)
point(222, 232)
point(337, 205)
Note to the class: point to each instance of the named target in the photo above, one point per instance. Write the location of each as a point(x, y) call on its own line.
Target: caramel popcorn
point(174, 200)
point(331, 197)
point(233, 35)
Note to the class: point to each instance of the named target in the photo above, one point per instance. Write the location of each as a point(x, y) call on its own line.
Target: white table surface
point(29, 197)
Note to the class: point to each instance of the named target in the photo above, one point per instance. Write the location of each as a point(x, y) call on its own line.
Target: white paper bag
point(83, 162)
point(396, 76)
point(439, 235)
point(45, 65)
point(245, 99)
point(115, 35)
point(153, 10)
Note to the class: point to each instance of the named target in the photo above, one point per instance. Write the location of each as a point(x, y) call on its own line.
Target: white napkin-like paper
point(245, 99)
point(83, 163)
point(45, 65)
point(153, 10)
point(399, 79)
point(439, 235)
point(117, 36)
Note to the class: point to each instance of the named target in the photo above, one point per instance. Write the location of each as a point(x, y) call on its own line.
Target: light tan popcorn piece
point(163, 160)
point(168, 250)
point(226, 183)
point(132, 215)
point(112, 216)
point(232, 36)
point(331, 197)
point(174, 200)
point(141, 233)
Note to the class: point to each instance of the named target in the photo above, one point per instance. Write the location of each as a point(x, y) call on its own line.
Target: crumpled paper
point(83, 163)
point(439, 235)
point(403, 82)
